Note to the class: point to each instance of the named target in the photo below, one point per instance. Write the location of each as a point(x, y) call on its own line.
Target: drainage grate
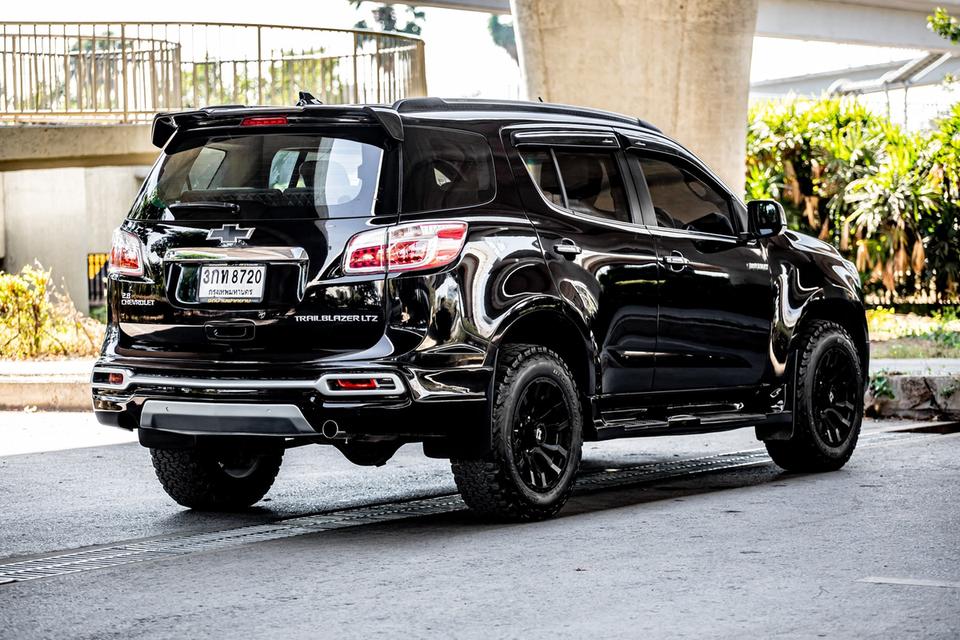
point(178, 545)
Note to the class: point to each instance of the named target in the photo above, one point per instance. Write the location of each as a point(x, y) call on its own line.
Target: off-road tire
point(491, 485)
point(197, 478)
point(808, 450)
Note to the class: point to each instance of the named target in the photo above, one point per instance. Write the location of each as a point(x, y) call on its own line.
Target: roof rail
point(414, 105)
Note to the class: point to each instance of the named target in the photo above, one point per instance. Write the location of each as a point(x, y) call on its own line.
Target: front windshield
point(264, 176)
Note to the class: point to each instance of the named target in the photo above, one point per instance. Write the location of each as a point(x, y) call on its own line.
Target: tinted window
point(591, 181)
point(544, 173)
point(264, 176)
point(445, 169)
point(682, 201)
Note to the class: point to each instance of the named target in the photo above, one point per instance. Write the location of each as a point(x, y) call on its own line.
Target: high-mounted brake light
point(263, 121)
point(126, 254)
point(406, 247)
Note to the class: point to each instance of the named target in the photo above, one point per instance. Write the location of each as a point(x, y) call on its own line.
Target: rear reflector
point(264, 121)
point(406, 247)
point(126, 254)
point(355, 384)
point(360, 384)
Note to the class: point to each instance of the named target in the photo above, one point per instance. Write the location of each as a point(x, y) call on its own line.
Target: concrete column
point(3, 225)
point(683, 65)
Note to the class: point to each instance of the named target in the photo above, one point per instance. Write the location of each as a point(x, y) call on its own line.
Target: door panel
point(603, 264)
point(715, 310)
point(716, 305)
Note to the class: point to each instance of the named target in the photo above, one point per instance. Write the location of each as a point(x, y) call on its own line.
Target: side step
point(687, 424)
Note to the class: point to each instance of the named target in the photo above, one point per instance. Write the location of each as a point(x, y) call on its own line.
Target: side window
point(281, 168)
point(205, 167)
point(589, 181)
point(544, 173)
point(446, 169)
point(683, 201)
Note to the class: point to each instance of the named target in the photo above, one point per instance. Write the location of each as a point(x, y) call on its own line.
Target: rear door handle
point(567, 248)
point(676, 261)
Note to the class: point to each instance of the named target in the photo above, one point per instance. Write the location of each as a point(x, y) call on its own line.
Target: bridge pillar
point(684, 66)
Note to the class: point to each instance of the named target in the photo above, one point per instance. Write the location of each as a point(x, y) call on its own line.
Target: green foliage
point(944, 25)
point(886, 198)
point(880, 386)
point(503, 35)
point(36, 320)
point(385, 16)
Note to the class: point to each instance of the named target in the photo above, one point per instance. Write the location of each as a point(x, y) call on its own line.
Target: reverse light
point(263, 121)
point(406, 247)
point(126, 254)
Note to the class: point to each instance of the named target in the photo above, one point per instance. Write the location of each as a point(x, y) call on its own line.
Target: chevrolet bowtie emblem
point(230, 235)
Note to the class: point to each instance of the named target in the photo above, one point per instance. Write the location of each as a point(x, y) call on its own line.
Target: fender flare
point(550, 305)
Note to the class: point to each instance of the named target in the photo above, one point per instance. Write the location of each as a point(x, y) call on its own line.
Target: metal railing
point(126, 72)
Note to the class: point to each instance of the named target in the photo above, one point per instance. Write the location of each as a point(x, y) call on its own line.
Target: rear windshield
point(271, 175)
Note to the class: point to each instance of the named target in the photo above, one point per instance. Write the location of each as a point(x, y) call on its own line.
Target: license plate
point(232, 284)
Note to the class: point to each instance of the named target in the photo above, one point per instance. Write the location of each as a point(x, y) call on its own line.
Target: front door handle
point(676, 261)
point(567, 248)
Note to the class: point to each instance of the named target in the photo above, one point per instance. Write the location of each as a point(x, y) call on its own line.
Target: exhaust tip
point(331, 430)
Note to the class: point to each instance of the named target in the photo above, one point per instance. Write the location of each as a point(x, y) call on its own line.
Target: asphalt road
point(869, 551)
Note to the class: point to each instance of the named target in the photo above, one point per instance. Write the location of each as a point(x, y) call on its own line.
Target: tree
point(887, 199)
point(385, 16)
point(503, 36)
point(944, 25)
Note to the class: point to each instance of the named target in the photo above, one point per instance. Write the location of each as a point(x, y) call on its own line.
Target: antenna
point(306, 98)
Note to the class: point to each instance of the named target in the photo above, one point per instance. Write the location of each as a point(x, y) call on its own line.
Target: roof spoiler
point(166, 124)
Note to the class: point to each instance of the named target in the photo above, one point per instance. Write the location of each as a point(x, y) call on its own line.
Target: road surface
point(687, 537)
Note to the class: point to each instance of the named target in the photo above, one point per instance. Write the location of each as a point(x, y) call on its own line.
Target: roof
point(389, 117)
point(441, 105)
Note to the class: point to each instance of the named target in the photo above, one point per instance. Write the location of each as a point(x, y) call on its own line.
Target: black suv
point(498, 281)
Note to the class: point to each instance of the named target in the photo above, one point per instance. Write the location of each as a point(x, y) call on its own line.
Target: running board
point(688, 424)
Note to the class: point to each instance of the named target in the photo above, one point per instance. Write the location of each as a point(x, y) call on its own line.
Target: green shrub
point(887, 199)
point(36, 320)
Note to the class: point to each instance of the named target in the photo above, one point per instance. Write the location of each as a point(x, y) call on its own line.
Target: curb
point(923, 397)
point(49, 392)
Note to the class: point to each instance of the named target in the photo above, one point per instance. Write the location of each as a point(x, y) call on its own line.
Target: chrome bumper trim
point(236, 254)
point(321, 384)
point(223, 417)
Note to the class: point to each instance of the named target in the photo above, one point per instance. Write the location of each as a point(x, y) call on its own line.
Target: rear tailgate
point(307, 311)
point(242, 233)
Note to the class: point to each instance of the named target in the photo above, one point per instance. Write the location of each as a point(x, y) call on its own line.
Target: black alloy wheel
point(834, 389)
point(827, 401)
point(541, 434)
point(536, 436)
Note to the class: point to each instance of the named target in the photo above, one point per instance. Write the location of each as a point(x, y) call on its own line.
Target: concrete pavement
point(747, 552)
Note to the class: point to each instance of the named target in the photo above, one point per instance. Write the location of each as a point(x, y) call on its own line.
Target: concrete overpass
point(882, 23)
point(686, 67)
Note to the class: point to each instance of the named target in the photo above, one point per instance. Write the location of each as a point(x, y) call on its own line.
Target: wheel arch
point(849, 314)
point(548, 324)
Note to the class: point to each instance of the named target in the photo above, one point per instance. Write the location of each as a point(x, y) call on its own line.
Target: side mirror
point(766, 218)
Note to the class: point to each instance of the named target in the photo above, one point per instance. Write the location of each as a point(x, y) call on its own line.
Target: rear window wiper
point(229, 206)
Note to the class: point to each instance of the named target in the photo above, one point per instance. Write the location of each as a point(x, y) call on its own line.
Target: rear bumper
point(409, 403)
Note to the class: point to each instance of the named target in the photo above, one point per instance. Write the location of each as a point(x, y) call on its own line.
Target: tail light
point(126, 254)
point(406, 247)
